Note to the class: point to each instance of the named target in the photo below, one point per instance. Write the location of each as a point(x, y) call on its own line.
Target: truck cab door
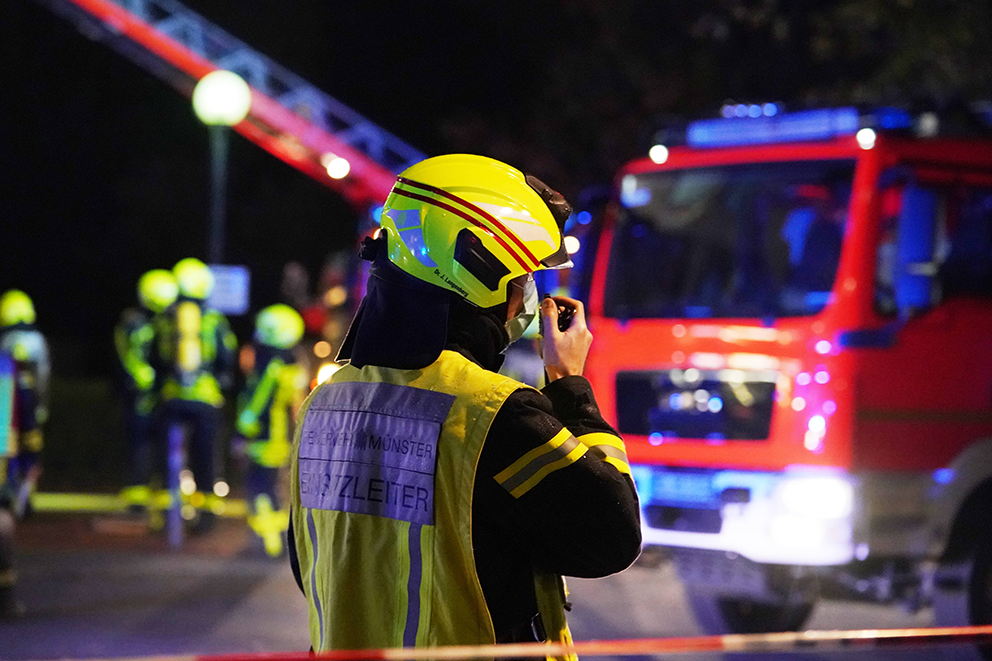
point(927, 393)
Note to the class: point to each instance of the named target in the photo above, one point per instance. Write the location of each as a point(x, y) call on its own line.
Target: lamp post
point(221, 99)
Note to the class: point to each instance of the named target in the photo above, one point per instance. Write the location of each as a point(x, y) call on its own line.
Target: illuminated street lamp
point(221, 99)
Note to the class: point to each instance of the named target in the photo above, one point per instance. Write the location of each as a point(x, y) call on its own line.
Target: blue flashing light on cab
point(778, 127)
point(743, 124)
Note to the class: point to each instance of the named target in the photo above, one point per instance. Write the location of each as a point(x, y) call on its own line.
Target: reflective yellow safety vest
point(383, 470)
point(196, 344)
point(265, 414)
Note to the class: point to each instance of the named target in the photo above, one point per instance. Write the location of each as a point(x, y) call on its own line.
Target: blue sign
point(232, 285)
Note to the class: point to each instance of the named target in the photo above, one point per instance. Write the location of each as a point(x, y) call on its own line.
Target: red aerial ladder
point(289, 117)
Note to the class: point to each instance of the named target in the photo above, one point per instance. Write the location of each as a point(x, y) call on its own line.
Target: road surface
point(101, 587)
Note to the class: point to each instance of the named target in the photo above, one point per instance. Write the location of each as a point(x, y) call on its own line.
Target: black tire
point(962, 594)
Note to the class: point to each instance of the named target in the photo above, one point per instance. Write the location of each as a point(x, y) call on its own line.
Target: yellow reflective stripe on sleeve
point(268, 382)
point(609, 448)
point(132, 348)
point(561, 451)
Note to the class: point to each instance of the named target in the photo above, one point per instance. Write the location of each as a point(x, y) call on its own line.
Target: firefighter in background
point(134, 339)
point(20, 339)
point(197, 352)
point(9, 606)
point(274, 390)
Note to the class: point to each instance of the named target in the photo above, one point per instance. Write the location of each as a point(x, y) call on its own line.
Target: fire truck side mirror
point(916, 269)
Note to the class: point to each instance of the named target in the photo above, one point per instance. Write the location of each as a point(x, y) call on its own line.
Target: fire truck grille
point(685, 519)
point(710, 405)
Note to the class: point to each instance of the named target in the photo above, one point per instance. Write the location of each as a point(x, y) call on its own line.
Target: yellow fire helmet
point(279, 326)
point(194, 278)
point(16, 308)
point(470, 224)
point(157, 289)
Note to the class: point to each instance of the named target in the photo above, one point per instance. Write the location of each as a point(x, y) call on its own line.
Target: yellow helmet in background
point(279, 326)
point(194, 278)
point(16, 308)
point(157, 289)
point(470, 224)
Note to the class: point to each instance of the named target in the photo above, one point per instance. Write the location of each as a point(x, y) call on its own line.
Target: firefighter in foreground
point(20, 338)
point(274, 389)
point(434, 501)
point(197, 350)
point(134, 338)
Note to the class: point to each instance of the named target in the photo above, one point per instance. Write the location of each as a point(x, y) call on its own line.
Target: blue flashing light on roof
point(732, 110)
point(770, 126)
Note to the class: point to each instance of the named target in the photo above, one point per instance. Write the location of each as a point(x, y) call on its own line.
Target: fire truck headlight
point(798, 531)
point(817, 497)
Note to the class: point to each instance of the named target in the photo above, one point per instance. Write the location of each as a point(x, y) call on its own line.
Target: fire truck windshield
point(748, 240)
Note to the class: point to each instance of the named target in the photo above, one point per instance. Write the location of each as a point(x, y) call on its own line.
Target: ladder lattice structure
point(289, 117)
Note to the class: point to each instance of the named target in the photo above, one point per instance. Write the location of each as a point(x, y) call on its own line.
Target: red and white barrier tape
point(766, 642)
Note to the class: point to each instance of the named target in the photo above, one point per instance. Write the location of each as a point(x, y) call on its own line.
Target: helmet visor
point(560, 210)
point(559, 260)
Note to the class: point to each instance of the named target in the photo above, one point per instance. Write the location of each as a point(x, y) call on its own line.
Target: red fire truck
point(793, 322)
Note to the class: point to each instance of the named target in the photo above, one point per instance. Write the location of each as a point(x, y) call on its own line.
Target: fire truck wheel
point(717, 614)
point(962, 594)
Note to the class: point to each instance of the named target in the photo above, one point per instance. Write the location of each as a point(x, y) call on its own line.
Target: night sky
point(106, 167)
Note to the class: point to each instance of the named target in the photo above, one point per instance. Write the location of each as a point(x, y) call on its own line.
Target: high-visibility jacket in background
point(382, 476)
point(273, 392)
point(134, 337)
point(197, 350)
point(27, 346)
